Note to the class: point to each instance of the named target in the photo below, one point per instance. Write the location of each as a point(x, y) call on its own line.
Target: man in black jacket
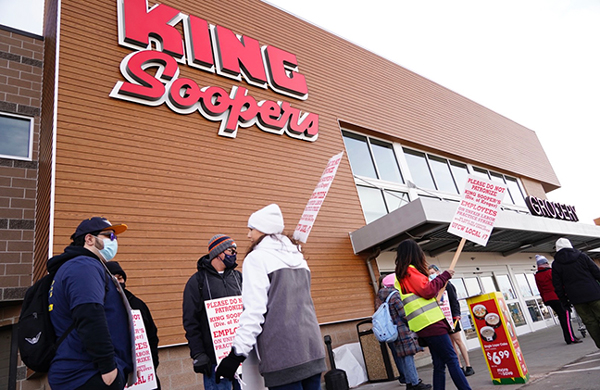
point(576, 280)
point(137, 304)
point(216, 278)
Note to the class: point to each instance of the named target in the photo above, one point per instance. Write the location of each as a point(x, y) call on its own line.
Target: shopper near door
point(279, 316)
point(423, 313)
point(216, 278)
point(543, 280)
point(455, 329)
point(576, 280)
point(405, 347)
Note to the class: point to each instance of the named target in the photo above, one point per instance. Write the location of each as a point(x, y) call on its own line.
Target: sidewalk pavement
point(545, 354)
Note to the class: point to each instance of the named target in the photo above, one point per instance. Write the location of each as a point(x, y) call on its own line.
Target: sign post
point(317, 198)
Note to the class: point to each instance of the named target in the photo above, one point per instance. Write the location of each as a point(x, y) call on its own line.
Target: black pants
point(564, 317)
point(96, 383)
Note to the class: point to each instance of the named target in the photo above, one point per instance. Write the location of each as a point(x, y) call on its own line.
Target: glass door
point(514, 307)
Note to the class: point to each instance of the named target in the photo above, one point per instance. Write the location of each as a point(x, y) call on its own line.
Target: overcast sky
point(536, 62)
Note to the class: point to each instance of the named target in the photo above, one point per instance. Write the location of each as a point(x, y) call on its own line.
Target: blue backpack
point(383, 326)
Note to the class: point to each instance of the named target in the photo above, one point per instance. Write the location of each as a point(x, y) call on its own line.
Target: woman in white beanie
point(279, 315)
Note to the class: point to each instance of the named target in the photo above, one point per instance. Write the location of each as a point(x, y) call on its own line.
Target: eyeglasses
point(110, 235)
point(232, 251)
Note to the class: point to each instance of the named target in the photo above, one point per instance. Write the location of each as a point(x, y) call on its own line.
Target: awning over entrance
point(426, 220)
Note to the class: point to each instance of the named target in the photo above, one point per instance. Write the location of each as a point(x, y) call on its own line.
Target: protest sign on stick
point(315, 202)
point(476, 214)
point(147, 377)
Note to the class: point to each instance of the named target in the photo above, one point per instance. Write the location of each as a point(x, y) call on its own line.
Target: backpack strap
point(387, 300)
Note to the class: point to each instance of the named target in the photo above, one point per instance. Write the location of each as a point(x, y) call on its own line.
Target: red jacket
point(543, 279)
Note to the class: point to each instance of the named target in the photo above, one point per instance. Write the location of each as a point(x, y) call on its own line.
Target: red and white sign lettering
point(147, 377)
point(315, 202)
point(223, 317)
point(214, 49)
point(476, 214)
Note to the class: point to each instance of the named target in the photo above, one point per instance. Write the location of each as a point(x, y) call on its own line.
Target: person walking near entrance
point(405, 347)
point(576, 280)
point(455, 333)
point(216, 278)
point(543, 280)
point(423, 313)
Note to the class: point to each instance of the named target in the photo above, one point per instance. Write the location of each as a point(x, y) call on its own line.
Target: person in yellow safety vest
point(424, 315)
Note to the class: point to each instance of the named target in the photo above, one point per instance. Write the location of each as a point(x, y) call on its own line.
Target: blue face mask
point(110, 249)
point(229, 260)
point(432, 276)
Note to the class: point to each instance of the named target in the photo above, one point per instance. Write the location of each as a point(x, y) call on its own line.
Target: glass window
point(461, 290)
point(532, 284)
point(395, 199)
point(481, 173)
point(523, 285)
point(545, 312)
point(442, 174)
point(359, 155)
point(516, 313)
point(419, 169)
point(386, 162)
point(488, 284)
point(460, 173)
point(534, 310)
point(472, 286)
point(515, 191)
point(16, 135)
point(505, 287)
point(372, 203)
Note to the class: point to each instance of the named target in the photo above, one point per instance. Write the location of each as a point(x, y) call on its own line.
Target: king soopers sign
point(153, 75)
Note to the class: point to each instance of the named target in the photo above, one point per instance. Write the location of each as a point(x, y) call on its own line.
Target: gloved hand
point(202, 364)
point(229, 366)
point(567, 306)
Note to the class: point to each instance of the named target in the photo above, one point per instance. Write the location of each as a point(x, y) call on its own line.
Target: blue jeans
point(312, 383)
point(225, 384)
point(406, 365)
point(399, 366)
point(443, 354)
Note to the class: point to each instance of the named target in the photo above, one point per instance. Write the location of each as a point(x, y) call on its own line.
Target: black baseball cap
point(96, 224)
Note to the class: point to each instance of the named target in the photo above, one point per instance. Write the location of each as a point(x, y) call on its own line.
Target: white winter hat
point(563, 243)
point(267, 220)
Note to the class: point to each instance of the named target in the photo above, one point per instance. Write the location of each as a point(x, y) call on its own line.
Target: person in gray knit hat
point(216, 278)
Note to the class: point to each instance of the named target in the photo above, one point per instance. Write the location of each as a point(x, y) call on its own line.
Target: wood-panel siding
point(176, 183)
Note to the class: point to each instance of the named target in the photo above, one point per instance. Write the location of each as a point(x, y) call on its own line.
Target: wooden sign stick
point(457, 254)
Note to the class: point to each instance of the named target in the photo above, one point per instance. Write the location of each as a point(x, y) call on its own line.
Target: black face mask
point(229, 260)
point(122, 285)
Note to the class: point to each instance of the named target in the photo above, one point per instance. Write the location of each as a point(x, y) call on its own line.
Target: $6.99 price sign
point(496, 357)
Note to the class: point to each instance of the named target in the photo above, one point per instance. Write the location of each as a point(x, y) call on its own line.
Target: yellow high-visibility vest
point(420, 312)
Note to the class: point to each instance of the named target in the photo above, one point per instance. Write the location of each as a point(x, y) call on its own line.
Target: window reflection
point(488, 284)
point(385, 159)
point(505, 287)
point(516, 313)
point(460, 173)
point(395, 199)
point(442, 174)
point(472, 286)
point(461, 290)
point(372, 203)
point(419, 170)
point(532, 284)
point(523, 285)
point(359, 155)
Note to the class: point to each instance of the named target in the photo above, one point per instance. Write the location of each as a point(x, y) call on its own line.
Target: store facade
point(181, 118)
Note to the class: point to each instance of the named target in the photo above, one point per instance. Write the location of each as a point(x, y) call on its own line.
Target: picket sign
point(317, 198)
point(476, 213)
point(223, 319)
point(147, 377)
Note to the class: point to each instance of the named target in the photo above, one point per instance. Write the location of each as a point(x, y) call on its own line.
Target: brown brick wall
point(21, 84)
